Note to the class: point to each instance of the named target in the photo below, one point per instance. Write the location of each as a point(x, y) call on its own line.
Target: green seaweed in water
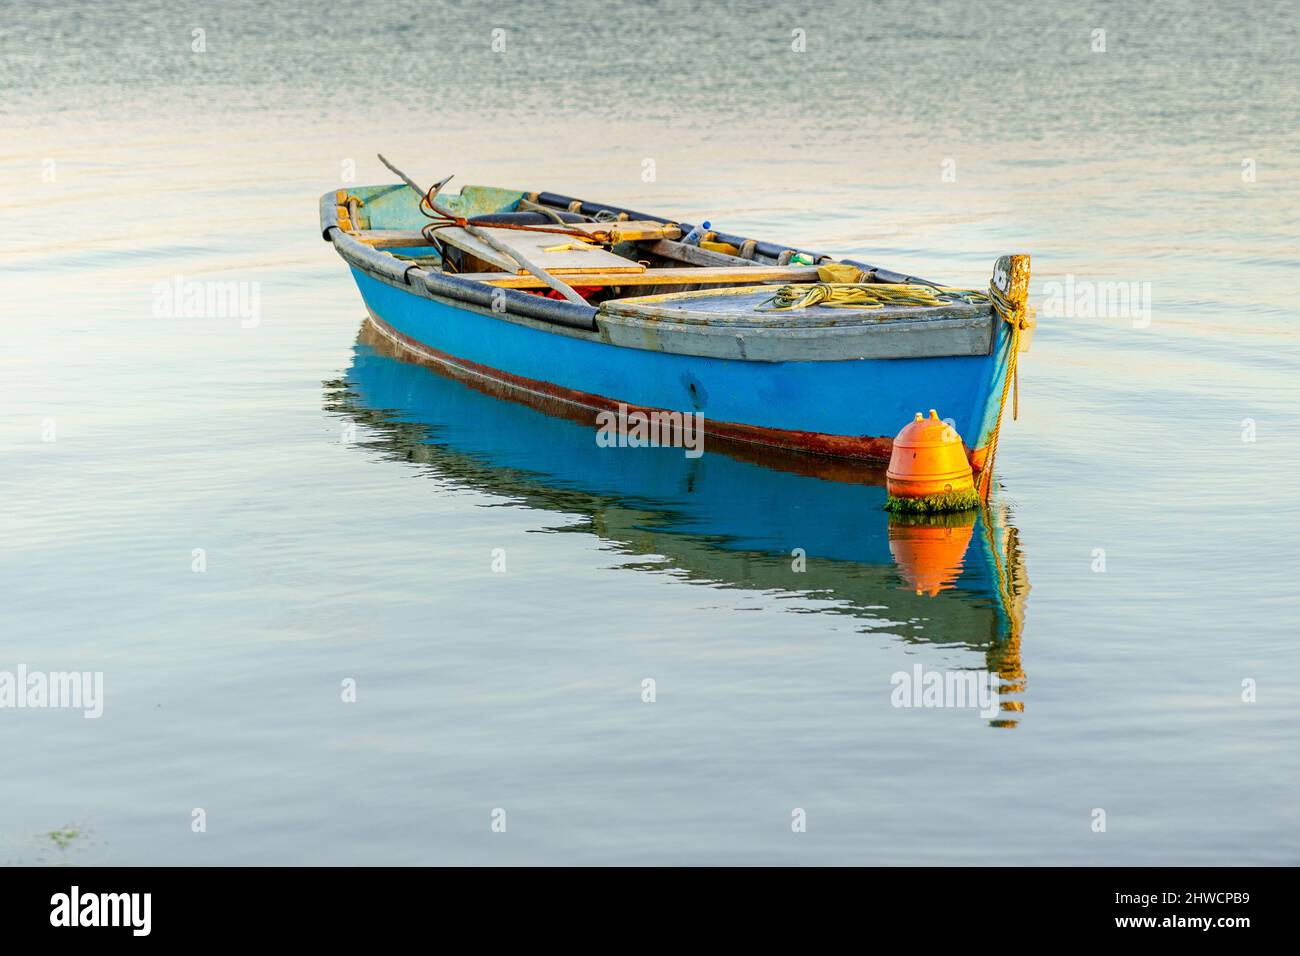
point(63, 838)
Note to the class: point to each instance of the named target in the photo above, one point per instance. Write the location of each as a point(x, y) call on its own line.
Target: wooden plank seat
point(722, 275)
point(633, 231)
point(558, 254)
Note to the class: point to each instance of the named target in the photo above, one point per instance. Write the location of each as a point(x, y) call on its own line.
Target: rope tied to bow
point(1014, 311)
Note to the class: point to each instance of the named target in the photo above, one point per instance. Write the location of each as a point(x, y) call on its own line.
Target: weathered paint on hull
point(844, 409)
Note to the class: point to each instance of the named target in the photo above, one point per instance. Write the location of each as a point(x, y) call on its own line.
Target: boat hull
point(847, 409)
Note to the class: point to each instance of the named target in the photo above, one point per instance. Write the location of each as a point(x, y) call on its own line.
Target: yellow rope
point(1017, 319)
point(866, 295)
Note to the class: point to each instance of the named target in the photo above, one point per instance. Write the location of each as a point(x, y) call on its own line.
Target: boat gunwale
point(792, 342)
point(388, 267)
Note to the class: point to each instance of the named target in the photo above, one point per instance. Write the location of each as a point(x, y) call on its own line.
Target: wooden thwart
point(683, 252)
point(554, 252)
point(619, 232)
point(686, 276)
point(391, 238)
point(632, 231)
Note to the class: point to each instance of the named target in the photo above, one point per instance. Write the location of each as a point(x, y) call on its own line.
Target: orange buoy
point(928, 469)
point(930, 550)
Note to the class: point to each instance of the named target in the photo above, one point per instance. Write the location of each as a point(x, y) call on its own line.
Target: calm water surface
point(348, 503)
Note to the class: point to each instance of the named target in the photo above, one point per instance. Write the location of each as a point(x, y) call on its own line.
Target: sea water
point(348, 611)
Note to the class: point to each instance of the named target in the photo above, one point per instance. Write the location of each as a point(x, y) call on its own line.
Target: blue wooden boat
point(601, 307)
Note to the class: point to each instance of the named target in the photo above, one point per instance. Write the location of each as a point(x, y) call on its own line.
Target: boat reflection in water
point(733, 517)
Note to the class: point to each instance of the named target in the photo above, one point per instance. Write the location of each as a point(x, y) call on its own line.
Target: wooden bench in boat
point(558, 254)
point(722, 275)
point(569, 259)
point(632, 231)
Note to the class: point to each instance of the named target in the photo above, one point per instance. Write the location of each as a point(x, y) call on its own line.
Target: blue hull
point(851, 407)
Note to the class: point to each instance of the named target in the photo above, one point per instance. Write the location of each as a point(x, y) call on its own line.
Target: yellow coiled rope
point(867, 295)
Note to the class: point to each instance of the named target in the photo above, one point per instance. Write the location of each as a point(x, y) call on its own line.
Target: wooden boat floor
point(742, 306)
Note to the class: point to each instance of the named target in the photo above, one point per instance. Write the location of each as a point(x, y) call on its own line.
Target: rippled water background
point(129, 159)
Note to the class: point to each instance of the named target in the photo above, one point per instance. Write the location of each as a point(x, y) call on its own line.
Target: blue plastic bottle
point(696, 234)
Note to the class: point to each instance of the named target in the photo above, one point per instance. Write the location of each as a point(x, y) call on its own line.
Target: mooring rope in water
point(1017, 318)
point(1007, 564)
point(867, 295)
point(1004, 590)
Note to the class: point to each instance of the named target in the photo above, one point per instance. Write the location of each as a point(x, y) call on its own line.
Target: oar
point(560, 287)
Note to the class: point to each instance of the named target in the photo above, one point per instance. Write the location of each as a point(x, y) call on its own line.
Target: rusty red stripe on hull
point(866, 448)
